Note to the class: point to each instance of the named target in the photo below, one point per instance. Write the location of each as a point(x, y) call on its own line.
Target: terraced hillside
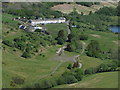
point(68, 8)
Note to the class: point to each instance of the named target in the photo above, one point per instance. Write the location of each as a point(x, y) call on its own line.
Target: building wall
point(47, 22)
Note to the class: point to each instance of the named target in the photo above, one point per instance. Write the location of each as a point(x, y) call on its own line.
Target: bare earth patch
point(117, 42)
point(65, 8)
point(95, 35)
point(73, 84)
point(68, 8)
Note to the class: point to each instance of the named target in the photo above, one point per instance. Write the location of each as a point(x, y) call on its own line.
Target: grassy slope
point(80, 8)
point(100, 80)
point(37, 67)
point(55, 28)
point(106, 39)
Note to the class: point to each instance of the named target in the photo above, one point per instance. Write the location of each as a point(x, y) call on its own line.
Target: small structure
point(22, 27)
point(32, 28)
point(47, 21)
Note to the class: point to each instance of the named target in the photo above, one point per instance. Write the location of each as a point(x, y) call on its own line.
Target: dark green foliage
point(74, 46)
point(70, 37)
point(26, 55)
point(70, 79)
point(66, 78)
point(69, 66)
point(62, 36)
point(45, 84)
point(88, 4)
point(18, 80)
point(78, 74)
point(38, 30)
point(103, 68)
point(93, 49)
point(107, 11)
point(118, 9)
point(83, 37)
point(89, 71)
point(38, 10)
point(61, 80)
point(60, 41)
point(8, 43)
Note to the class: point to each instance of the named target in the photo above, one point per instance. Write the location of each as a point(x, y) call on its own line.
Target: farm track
point(75, 58)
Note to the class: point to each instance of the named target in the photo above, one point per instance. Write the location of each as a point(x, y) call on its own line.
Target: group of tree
point(67, 77)
point(29, 43)
point(110, 11)
point(102, 68)
point(88, 4)
point(93, 49)
point(74, 46)
point(38, 9)
point(62, 37)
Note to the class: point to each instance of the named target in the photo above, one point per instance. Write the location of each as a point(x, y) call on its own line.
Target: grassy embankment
point(100, 80)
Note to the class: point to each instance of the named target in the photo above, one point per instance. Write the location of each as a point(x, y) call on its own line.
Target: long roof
point(48, 19)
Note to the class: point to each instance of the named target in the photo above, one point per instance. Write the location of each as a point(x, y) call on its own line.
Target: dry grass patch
point(95, 35)
point(117, 42)
point(64, 8)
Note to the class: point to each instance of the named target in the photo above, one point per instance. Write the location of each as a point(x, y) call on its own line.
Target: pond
point(115, 29)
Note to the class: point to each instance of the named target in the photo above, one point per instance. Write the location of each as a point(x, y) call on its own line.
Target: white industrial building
point(47, 21)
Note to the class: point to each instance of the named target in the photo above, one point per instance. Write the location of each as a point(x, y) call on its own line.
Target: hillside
point(72, 53)
point(68, 8)
point(101, 80)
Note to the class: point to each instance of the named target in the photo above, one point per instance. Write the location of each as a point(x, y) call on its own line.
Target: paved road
point(68, 26)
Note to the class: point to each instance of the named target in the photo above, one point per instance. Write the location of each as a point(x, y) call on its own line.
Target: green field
point(38, 67)
point(55, 28)
point(106, 39)
point(100, 80)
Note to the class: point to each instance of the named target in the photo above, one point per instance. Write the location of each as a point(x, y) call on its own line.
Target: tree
point(78, 74)
point(8, 43)
point(70, 37)
point(62, 36)
point(93, 49)
point(74, 46)
point(83, 37)
point(90, 12)
point(61, 80)
point(26, 55)
point(103, 68)
point(69, 66)
point(118, 9)
point(60, 41)
point(89, 71)
point(71, 47)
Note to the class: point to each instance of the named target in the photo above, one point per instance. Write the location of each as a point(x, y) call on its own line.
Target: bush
point(8, 43)
point(93, 49)
point(18, 80)
point(103, 68)
point(89, 71)
point(69, 66)
point(74, 46)
point(83, 37)
point(26, 55)
point(78, 74)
